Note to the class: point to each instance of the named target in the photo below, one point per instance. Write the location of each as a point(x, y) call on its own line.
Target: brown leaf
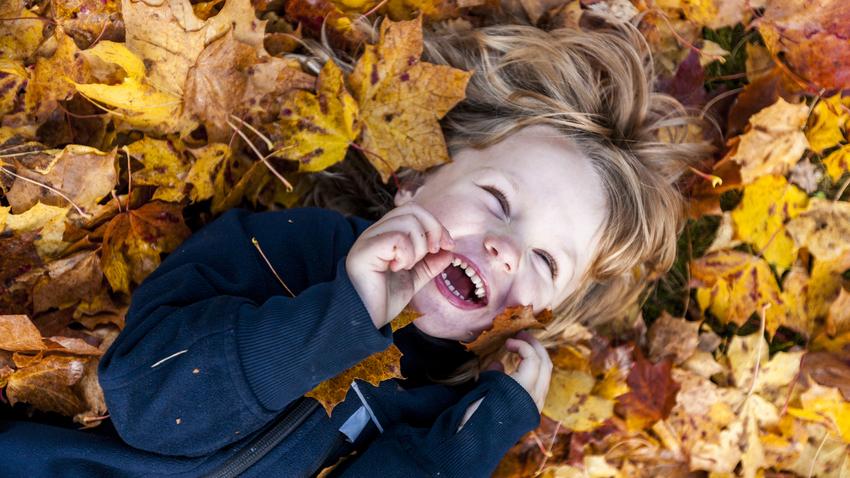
point(838, 319)
point(48, 384)
point(652, 393)
point(21, 33)
point(50, 80)
point(67, 281)
point(824, 228)
point(674, 337)
point(83, 174)
point(401, 100)
point(505, 325)
point(71, 346)
point(134, 240)
point(18, 334)
point(169, 37)
point(374, 369)
point(828, 369)
point(812, 38)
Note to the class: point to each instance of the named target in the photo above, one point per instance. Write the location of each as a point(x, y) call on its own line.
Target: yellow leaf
point(12, 77)
point(401, 100)
point(767, 204)
point(838, 162)
point(826, 125)
point(734, 285)
point(133, 100)
point(374, 369)
point(165, 166)
point(774, 141)
point(51, 80)
point(825, 405)
point(823, 228)
point(21, 32)
point(838, 319)
point(714, 13)
point(317, 129)
point(209, 160)
point(825, 285)
point(48, 220)
point(570, 401)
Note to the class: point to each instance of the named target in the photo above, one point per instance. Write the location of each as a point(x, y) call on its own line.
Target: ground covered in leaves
point(126, 125)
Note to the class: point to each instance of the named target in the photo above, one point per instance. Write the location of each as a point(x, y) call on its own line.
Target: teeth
point(443, 275)
point(479, 292)
point(463, 265)
point(476, 280)
point(473, 276)
point(456, 262)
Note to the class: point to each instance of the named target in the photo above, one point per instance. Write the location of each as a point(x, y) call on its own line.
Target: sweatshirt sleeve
point(213, 347)
point(504, 416)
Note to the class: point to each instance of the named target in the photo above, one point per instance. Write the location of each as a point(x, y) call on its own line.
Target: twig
point(265, 161)
point(841, 191)
point(256, 244)
point(268, 142)
point(758, 353)
point(549, 451)
point(60, 193)
point(817, 453)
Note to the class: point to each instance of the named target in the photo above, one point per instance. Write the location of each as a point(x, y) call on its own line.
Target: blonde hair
point(596, 88)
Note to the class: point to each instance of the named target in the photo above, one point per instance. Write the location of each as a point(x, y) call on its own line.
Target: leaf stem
point(256, 244)
point(54, 190)
point(265, 161)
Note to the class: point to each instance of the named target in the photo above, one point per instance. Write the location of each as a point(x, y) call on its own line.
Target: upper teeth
point(470, 272)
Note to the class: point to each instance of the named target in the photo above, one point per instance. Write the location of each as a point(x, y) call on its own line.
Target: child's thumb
point(429, 267)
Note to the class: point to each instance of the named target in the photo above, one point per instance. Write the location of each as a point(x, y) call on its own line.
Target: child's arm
point(506, 412)
point(213, 347)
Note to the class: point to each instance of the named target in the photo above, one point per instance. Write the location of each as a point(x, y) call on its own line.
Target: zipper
point(262, 444)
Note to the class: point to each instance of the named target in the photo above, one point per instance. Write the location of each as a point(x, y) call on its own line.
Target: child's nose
point(503, 250)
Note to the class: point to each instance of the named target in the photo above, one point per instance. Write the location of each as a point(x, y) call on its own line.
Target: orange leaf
point(505, 325)
point(652, 395)
point(19, 334)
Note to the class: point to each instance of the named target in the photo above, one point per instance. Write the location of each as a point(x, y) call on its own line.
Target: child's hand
point(395, 257)
point(535, 369)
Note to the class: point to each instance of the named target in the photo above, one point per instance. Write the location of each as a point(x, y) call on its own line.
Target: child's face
point(557, 206)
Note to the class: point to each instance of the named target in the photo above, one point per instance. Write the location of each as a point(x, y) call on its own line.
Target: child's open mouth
point(461, 284)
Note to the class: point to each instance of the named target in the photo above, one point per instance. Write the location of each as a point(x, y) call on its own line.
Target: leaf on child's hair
point(505, 325)
point(376, 368)
point(402, 98)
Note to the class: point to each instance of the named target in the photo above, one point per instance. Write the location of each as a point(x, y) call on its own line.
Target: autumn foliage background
point(126, 125)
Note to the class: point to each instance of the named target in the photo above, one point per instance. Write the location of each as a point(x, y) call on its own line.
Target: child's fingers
point(438, 236)
point(410, 225)
point(393, 249)
point(529, 368)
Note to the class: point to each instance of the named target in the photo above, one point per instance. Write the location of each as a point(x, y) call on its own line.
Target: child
point(559, 196)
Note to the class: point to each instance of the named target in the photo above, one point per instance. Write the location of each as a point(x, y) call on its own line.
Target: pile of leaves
point(125, 126)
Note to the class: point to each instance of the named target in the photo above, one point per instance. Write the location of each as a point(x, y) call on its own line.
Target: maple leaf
point(13, 77)
point(89, 19)
point(734, 285)
point(760, 216)
point(134, 240)
point(829, 118)
point(652, 392)
point(52, 79)
point(169, 37)
point(774, 142)
point(669, 336)
point(232, 78)
point(20, 35)
point(570, 401)
point(838, 162)
point(135, 102)
point(18, 334)
point(401, 100)
point(376, 368)
point(209, 160)
point(47, 221)
point(825, 405)
point(505, 325)
point(823, 228)
point(165, 166)
point(83, 174)
point(715, 14)
point(838, 318)
point(46, 384)
point(67, 281)
point(316, 129)
point(811, 37)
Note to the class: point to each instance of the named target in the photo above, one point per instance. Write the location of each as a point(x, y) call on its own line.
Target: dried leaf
point(652, 393)
point(401, 100)
point(505, 325)
point(48, 384)
point(18, 334)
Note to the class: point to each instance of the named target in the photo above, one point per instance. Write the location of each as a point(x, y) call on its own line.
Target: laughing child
point(559, 195)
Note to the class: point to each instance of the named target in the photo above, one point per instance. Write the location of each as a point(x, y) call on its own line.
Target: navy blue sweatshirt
point(214, 349)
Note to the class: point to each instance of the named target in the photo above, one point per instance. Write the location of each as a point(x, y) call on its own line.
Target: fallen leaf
point(505, 325)
point(827, 123)
point(67, 281)
point(402, 98)
point(823, 228)
point(21, 34)
point(652, 393)
point(674, 337)
point(134, 240)
point(775, 141)
point(734, 285)
point(18, 334)
point(768, 203)
point(315, 130)
point(838, 162)
point(376, 368)
point(47, 384)
point(165, 166)
point(825, 405)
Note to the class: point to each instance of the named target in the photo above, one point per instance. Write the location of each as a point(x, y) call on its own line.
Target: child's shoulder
point(301, 218)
